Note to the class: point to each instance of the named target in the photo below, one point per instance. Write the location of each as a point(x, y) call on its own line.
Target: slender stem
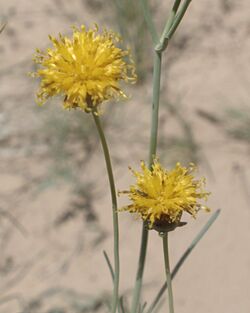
point(170, 18)
point(109, 265)
point(149, 21)
point(114, 211)
point(152, 153)
point(155, 107)
point(178, 18)
point(184, 256)
point(172, 24)
point(140, 269)
point(168, 273)
point(160, 46)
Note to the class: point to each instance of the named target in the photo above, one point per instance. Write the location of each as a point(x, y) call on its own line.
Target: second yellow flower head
point(161, 196)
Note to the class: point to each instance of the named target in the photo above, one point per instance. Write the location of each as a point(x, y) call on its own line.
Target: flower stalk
point(168, 273)
point(86, 70)
point(152, 153)
point(114, 212)
point(160, 45)
point(140, 269)
point(155, 107)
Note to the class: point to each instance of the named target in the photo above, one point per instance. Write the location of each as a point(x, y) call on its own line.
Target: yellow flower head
point(86, 69)
point(161, 196)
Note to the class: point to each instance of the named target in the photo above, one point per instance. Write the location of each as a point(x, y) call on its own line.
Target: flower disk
point(161, 196)
point(86, 69)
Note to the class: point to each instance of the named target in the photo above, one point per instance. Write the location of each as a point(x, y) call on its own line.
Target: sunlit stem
point(172, 23)
point(152, 153)
point(178, 18)
point(155, 107)
point(160, 45)
point(114, 212)
point(168, 273)
point(140, 269)
point(170, 19)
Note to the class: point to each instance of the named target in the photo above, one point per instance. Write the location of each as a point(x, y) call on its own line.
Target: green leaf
point(109, 264)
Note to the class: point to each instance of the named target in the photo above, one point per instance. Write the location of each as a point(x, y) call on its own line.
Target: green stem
point(178, 19)
point(160, 46)
point(155, 107)
point(172, 24)
point(140, 269)
point(152, 154)
point(183, 258)
point(114, 211)
point(168, 273)
point(171, 18)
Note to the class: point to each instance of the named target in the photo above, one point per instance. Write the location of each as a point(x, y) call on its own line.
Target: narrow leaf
point(109, 264)
point(121, 306)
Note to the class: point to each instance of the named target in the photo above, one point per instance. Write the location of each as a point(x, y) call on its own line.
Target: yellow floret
point(161, 196)
point(86, 70)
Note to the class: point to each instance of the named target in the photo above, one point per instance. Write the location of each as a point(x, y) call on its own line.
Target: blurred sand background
point(52, 173)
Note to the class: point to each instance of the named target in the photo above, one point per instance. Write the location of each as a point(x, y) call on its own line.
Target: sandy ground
point(51, 258)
